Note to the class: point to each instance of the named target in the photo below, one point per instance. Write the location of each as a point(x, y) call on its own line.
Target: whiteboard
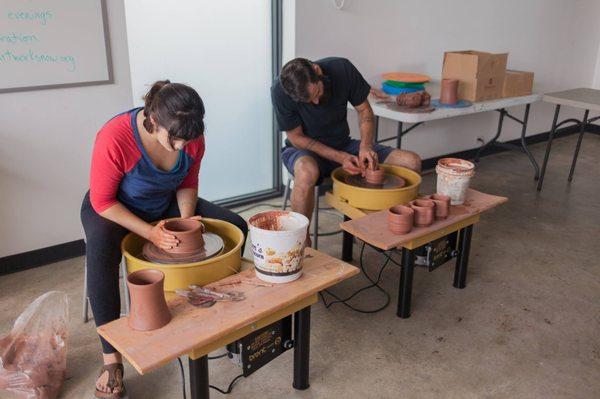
point(48, 44)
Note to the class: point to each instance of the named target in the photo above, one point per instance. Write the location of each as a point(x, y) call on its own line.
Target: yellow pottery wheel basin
point(376, 199)
point(199, 273)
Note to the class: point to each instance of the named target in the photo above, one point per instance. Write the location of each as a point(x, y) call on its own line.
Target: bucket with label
point(278, 239)
point(453, 177)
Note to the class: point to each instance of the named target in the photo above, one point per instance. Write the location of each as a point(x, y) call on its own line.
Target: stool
point(86, 299)
point(315, 218)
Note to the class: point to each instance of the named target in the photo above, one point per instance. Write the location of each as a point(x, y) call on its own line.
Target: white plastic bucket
point(453, 177)
point(278, 239)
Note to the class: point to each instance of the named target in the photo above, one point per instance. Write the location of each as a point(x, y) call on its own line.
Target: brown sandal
point(115, 380)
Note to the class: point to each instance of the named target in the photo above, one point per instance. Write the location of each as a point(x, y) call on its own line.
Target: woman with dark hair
point(145, 166)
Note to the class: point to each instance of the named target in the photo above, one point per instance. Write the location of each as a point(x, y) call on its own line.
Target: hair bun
point(159, 84)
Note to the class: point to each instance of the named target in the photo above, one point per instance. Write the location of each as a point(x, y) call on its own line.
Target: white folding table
point(582, 98)
point(390, 111)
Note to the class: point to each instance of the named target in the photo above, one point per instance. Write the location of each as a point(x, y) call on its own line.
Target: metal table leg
point(583, 126)
point(524, 144)
point(301, 348)
point(406, 280)
point(493, 140)
point(376, 128)
point(198, 369)
point(548, 147)
point(462, 260)
point(347, 241)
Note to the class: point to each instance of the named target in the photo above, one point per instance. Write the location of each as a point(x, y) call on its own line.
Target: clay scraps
point(204, 297)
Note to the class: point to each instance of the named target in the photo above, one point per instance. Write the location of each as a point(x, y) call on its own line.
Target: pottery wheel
point(390, 181)
point(213, 245)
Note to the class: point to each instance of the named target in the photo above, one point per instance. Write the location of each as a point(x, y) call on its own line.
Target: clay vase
point(442, 205)
point(149, 309)
point(449, 92)
point(188, 232)
point(424, 212)
point(376, 176)
point(400, 219)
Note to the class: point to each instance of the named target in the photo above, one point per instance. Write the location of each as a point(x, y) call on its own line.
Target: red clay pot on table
point(449, 91)
point(149, 309)
point(424, 212)
point(188, 232)
point(442, 205)
point(400, 219)
point(376, 176)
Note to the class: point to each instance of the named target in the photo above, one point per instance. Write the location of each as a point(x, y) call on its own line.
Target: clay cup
point(449, 91)
point(149, 309)
point(400, 219)
point(375, 176)
point(424, 212)
point(442, 205)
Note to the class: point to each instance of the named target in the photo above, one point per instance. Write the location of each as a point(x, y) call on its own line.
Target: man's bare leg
point(306, 174)
point(408, 159)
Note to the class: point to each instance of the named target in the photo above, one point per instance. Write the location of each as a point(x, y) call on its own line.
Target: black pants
point(103, 256)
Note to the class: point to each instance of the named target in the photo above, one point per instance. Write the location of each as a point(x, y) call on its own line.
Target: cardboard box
point(480, 74)
point(517, 83)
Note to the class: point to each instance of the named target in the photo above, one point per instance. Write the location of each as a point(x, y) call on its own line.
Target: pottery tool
point(257, 283)
point(203, 301)
point(231, 296)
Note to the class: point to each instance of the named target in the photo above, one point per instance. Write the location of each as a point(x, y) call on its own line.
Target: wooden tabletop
point(192, 328)
point(580, 98)
point(373, 229)
point(390, 111)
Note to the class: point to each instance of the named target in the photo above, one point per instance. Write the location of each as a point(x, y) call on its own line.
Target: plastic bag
point(33, 357)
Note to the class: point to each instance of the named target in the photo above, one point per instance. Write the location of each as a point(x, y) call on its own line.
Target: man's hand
point(351, 164)
point(367, 158)
point(159, 237)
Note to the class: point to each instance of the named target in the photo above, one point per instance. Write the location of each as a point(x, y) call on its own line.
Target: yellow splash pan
point(377, 199)
point(200, 273)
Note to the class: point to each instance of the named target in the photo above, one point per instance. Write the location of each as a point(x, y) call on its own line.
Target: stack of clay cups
point(420, 213)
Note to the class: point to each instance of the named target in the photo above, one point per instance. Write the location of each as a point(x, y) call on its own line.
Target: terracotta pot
point(188, 232)
point(149, 309)
point(376, 176)
point(424, 212)
point(400, 219)
point(449, 92)
point(442, 205)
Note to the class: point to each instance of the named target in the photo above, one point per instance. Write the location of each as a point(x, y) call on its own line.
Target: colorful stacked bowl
point(395, 83)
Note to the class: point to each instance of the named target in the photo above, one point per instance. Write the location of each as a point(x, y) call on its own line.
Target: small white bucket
point(453, 176)
point(278, 239)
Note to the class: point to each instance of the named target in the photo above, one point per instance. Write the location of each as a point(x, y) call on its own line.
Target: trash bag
point(33, 357)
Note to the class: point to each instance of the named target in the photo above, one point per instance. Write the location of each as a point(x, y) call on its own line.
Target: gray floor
point(526, 326)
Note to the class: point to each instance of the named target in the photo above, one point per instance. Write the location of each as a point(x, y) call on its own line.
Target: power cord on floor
point(374, 284)
point(224, 392)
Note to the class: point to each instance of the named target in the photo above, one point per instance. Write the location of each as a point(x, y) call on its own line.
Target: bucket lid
point(455, 166)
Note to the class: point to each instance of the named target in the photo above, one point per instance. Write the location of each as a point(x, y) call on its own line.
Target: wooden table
point(371, 227)
point(583, 98)
point(392, 112)
point(199, 331)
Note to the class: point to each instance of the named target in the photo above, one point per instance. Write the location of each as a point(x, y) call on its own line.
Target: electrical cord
point(224, 392)
point(374, 284)
point(229, 388)
point(217, 357)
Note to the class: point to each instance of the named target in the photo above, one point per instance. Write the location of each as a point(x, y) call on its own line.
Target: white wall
point(46, 139)
point(557, 39)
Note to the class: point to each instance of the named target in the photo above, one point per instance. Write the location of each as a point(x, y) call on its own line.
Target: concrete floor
point(526, 326)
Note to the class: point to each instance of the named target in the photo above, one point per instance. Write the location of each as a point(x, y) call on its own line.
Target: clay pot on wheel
point(400, 219)
point(424, 212)
point(442, 205)
point(149, 309)
point(188, 232)
point(449, 92)
point(375, 176)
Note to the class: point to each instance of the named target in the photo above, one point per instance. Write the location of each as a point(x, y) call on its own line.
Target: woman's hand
point(159, 237)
